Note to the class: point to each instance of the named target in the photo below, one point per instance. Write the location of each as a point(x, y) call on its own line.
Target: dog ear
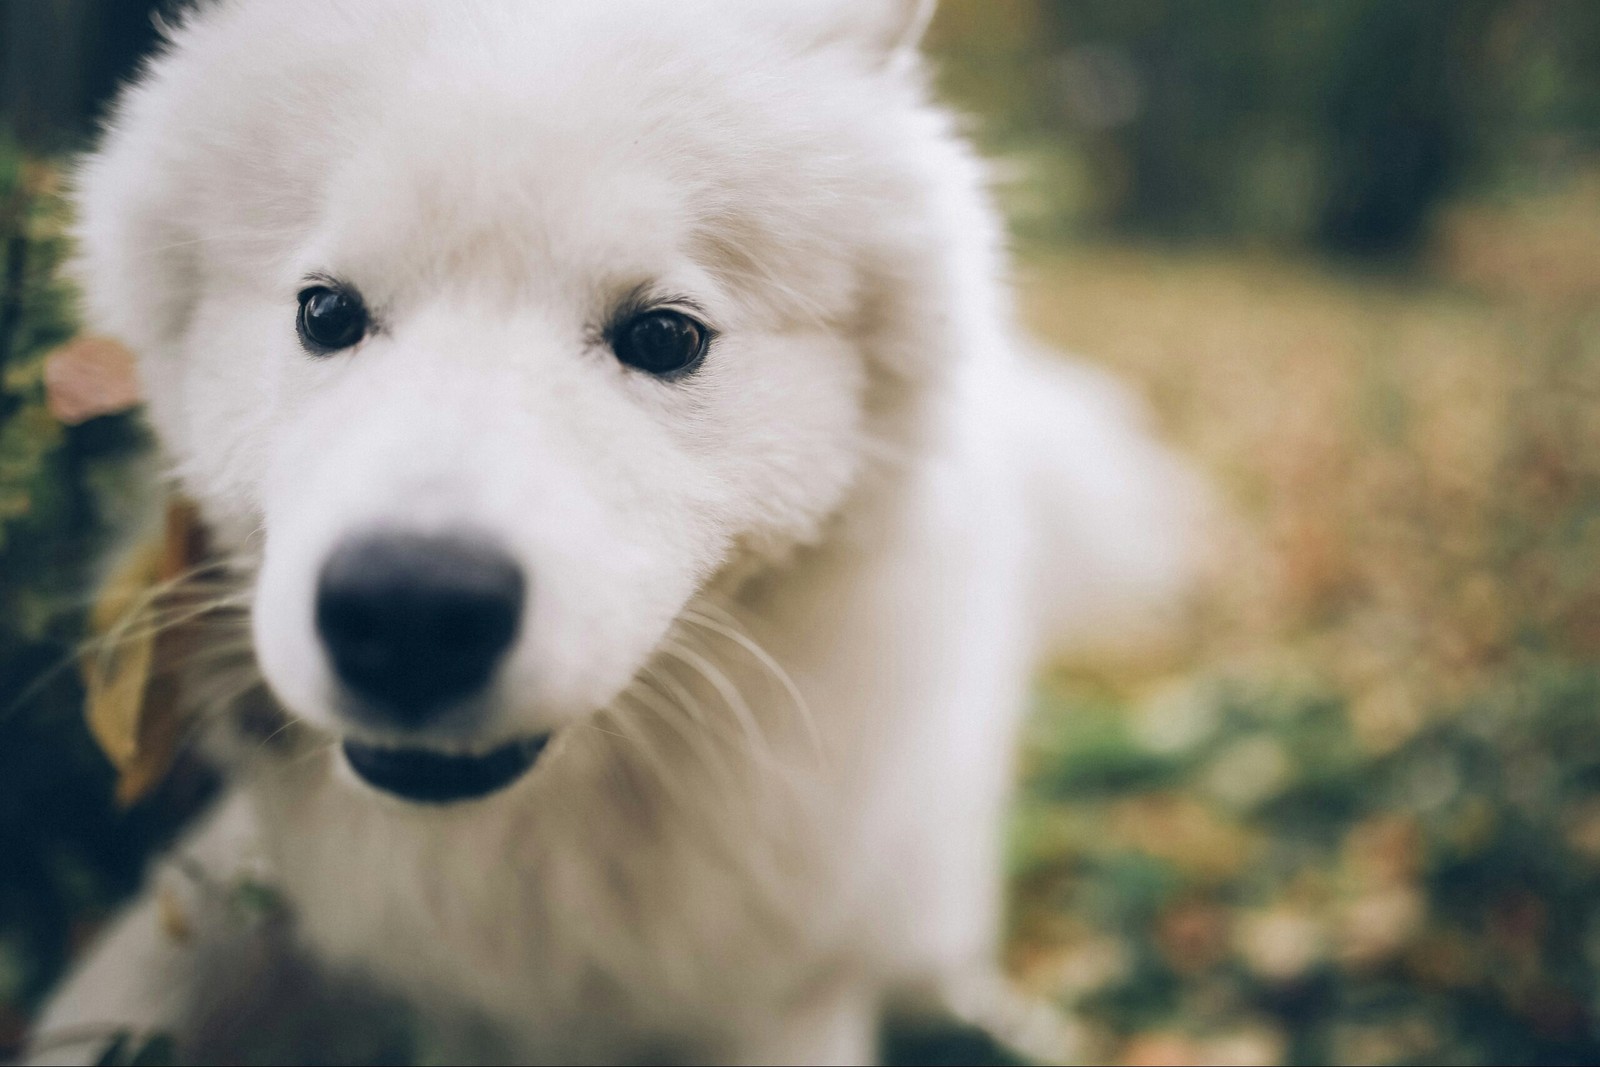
point(894, 28)
point(890, 30)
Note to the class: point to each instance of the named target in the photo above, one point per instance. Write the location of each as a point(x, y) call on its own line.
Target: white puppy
point(650, 510)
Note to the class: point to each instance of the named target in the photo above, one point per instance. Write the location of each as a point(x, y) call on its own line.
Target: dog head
point(500, 329)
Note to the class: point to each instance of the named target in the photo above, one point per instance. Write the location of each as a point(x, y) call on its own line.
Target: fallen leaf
point(174, 916)
point(133, 701)
point(90, 376)
point(117, 668)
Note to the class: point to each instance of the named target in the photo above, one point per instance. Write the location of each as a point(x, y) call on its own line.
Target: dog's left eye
point(330, 319)
point(663, 342)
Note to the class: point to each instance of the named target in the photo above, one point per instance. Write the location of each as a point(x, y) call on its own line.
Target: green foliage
point(1436, 902)
point(67, 855)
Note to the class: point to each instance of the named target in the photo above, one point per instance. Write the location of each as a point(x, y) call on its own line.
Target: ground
point(1352, 813)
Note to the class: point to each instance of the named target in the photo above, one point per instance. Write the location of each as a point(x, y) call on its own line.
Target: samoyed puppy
point(648, 509)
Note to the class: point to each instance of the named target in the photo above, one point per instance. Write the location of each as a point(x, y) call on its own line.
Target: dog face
point(508, 332)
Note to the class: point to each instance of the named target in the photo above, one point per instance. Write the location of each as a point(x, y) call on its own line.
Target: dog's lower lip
point(425, 776)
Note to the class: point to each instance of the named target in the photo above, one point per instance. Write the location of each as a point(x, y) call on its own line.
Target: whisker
point(727, 691)
point(672, 716)
point(772, 666)
point(666, 775)
point(758, 855)
point(289, 723)
point(169, 619)
point(171, 589)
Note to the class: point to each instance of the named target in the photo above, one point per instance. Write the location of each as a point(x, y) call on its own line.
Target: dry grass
point(1413, 467)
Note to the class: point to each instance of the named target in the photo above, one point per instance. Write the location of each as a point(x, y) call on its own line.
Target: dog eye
point(330, 319)
point(665, 343)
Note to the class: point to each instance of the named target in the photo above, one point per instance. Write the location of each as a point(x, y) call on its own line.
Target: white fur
point(783, 610)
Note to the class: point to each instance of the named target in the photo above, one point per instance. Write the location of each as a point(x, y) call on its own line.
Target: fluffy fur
point(783, 610)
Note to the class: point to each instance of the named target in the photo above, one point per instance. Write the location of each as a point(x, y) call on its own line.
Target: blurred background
point(1351, 252)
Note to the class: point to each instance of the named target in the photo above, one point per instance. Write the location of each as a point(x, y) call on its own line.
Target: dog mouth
point(425, 776)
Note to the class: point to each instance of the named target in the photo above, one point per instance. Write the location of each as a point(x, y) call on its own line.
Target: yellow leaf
point(134, 706)
point(118, 669)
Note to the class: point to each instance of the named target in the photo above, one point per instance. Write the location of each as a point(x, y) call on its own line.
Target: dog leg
point(146, 978)
point(205, 960)
point(132, 989)
point(838, 1028)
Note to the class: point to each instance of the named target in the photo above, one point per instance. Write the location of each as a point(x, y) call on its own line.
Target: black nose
point(413, 625)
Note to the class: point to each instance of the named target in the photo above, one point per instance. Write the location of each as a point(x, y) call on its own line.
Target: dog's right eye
point(330, 319)
point(662, 342)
